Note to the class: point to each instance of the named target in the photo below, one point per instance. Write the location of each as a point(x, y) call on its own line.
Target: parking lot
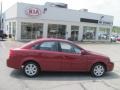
point(11, 79)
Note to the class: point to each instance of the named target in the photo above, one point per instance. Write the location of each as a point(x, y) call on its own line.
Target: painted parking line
point(3, 45)
point(0, 44)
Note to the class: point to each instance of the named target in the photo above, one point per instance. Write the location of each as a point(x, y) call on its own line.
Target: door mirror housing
point(83, 52)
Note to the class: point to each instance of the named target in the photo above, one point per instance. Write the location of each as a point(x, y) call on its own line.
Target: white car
point(113, 39)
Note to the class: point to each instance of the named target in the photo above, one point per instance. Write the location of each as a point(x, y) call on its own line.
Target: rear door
point(49, 57)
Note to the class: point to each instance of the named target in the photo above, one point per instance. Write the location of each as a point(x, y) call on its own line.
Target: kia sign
point(33, 12)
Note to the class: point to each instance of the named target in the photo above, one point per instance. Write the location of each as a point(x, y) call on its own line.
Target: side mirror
point(83, 52)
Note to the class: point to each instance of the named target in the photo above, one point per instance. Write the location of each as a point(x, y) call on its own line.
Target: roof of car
point(45, 39)
point(53, 39)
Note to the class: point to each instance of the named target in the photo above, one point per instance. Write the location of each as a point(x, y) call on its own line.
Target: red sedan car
point(57, 55)
point(118, 39)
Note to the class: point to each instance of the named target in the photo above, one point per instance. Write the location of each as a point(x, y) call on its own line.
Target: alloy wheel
point(98, 70)
point(31, 69)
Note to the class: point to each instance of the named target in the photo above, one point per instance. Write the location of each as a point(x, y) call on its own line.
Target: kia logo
point(33, 12)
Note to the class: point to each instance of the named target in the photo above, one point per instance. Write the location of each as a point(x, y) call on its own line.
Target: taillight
point(11, 54)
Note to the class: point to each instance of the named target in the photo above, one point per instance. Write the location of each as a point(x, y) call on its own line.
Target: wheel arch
point(99, 63)
point(30, 60)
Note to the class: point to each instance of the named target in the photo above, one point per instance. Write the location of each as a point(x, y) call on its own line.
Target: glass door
point(74, 33)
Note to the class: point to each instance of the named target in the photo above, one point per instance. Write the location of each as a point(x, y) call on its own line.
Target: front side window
point(49, 46)
point(67, 48)
point(77, 50)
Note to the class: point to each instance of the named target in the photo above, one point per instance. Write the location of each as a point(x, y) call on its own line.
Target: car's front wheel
point(98, 70)
point(31, 69)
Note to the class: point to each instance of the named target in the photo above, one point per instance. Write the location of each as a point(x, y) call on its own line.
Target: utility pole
point(1, 15)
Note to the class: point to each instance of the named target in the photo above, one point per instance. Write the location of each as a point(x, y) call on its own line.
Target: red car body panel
point(118, 39)
point(56, 61)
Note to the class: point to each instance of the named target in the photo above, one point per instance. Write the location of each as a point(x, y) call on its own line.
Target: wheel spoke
point(30, 69)
point(98, 70)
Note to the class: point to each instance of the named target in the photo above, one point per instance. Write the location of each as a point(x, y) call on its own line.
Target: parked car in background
point(118, 38)
point(2, 35)
point(113, 38)
point(57, 55)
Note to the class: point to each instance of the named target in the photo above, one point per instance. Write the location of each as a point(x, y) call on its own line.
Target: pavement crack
point(83, 86)
point(23, 84)
point(60, 85)
point(108, 85)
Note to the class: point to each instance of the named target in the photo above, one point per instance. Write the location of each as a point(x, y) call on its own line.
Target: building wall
point(11, 12)
point(45, 27)
point(61, 14)
point(53, 15)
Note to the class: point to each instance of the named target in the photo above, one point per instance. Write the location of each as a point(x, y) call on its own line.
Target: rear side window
point(49, 46)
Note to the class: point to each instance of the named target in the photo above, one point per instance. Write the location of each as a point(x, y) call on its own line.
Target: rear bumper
point(13, 64)
point(110, 66)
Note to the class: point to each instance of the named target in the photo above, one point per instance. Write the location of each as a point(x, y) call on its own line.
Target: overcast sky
point(109, 7)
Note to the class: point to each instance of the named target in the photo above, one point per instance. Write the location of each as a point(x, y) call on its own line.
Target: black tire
point(31, 69)
point(98, 73)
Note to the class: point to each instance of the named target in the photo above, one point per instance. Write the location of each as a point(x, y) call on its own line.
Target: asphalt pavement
point(11, 79)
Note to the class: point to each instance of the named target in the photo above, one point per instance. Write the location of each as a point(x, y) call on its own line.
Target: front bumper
point(110, 66)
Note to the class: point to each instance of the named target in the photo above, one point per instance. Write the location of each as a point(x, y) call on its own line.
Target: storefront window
point(56, 31)
point(31, 30)
point(104, 33)
point(74, 33)
point(89, 33)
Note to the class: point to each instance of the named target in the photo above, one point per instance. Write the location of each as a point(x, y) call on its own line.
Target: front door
point(73, 59)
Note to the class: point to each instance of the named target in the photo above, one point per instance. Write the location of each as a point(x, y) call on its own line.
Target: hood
point(98, 54)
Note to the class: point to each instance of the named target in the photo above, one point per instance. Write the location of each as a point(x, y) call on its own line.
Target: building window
point(89, 33)
point(31, 30)
point(56, 31)
point(13, 28)
point(103, 33)
point(10, 28)
point(74, 33)
point(7, 27)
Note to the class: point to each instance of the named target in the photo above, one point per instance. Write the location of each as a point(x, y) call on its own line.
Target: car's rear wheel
point(31, 69)
point(98, 70)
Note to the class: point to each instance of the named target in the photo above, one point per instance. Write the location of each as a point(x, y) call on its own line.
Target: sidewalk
point(77, 42)
point(95, 42)
point(13, 44)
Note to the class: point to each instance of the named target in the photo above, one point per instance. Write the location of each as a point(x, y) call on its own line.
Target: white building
point(28, 21)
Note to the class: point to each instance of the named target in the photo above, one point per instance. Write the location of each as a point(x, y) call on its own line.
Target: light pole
point(1, 15)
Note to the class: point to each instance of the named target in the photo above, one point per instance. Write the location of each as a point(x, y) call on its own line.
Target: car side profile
point(57, 55)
